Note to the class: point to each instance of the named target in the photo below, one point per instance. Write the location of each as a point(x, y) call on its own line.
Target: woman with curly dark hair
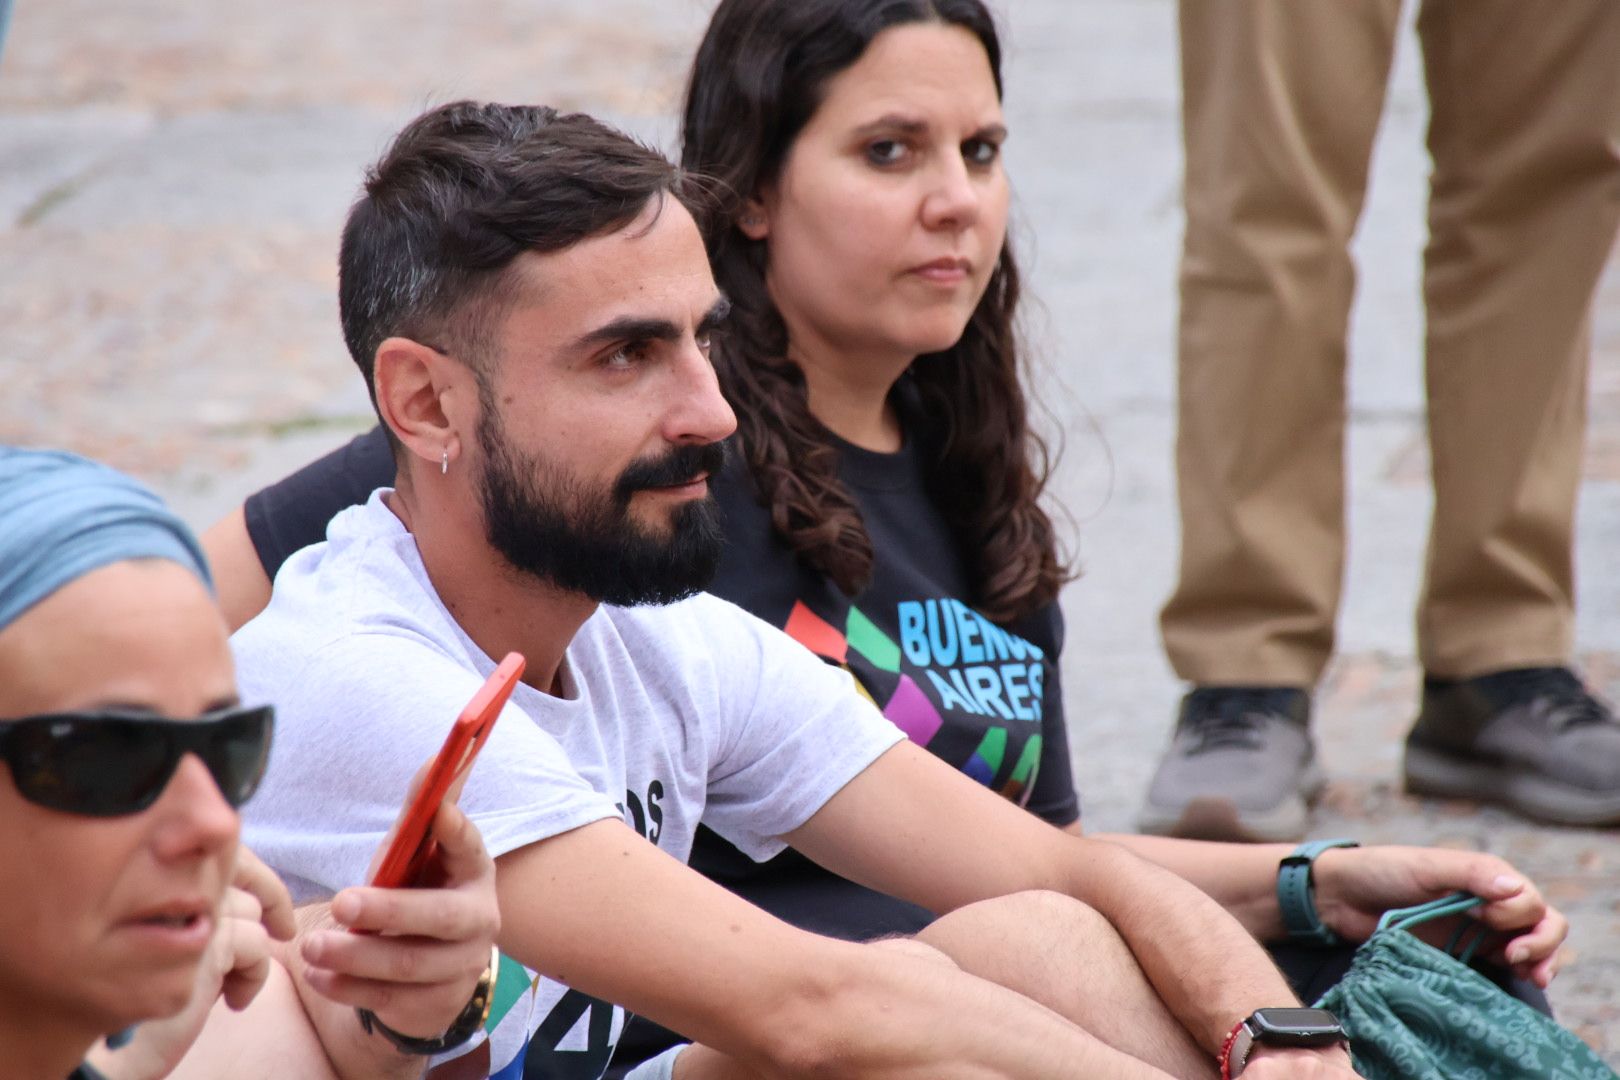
point(884, 509)
point(815, 305)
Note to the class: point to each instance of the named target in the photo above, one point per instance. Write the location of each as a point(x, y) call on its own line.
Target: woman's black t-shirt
point(983, 697)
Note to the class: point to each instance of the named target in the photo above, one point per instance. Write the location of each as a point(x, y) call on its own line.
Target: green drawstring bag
point(1414, 1012)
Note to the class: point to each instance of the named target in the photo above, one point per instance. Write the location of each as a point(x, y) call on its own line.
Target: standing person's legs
point(1281, 101)
point(1525, 136)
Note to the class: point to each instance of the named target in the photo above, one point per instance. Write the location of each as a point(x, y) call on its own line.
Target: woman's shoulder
point(295, 511)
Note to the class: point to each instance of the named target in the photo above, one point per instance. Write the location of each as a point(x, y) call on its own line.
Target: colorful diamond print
point(986, 760)
point(870, 642)
point(1022, 781)
point(912, 712)
point(860, 687)
point(512, 981)
point(816, 633)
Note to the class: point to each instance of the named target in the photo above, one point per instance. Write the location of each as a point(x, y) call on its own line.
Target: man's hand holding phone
point(421, 934)
point(422, 951)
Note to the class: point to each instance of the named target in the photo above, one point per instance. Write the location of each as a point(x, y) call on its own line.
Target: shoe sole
point(1214, 818)
point(1441, 775)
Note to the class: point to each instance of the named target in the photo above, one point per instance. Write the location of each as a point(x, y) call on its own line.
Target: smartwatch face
point(1296, 1026)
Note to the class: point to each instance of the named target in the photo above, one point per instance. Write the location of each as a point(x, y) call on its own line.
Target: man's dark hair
point(463, 190)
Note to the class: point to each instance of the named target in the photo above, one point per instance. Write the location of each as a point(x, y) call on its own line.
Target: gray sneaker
point(1533, 739)
point(1240, 767)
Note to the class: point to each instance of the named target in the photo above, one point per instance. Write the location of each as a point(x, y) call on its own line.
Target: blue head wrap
point(62, 516)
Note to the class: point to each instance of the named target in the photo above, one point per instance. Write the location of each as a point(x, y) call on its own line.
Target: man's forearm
point(1203, 963)
point(1242, 878)
point(866, 1012)
point(1200, 960)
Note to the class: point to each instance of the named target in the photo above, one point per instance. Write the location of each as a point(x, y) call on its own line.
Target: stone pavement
point(172, 181)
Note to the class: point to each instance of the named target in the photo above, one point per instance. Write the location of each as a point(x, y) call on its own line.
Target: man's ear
point(755, 220)
point(420, 394)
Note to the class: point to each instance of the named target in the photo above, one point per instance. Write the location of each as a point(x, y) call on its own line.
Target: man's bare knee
point(906, 946)
point(1064, 954)
point(1056, 916)
point(1059, 911)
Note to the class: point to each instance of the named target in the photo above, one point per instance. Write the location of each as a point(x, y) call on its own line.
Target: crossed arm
point(1192, 931)
point(946, 842)
point(606, 913)
point(619, 920)
point(1354, 886)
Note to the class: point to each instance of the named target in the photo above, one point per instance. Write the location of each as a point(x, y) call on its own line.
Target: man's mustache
point(681, 465)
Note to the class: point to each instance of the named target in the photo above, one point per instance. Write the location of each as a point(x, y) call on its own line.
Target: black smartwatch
point(1311, 1029)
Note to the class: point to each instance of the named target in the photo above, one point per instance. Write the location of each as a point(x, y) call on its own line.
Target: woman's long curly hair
point(757, 79)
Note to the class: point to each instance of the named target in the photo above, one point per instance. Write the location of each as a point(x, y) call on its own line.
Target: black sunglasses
point(108, 764)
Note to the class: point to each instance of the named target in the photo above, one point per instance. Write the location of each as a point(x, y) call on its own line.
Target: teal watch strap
point(1295, 892)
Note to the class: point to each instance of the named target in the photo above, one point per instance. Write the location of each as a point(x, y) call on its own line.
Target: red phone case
point(413, 844)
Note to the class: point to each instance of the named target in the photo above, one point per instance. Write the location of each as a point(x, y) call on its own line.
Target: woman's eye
point(980, 151)
point(885, 152)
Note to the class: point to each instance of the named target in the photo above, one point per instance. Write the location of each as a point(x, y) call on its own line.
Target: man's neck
point(500, 608)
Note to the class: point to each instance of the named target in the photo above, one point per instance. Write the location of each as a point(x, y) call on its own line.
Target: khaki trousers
point(1281, 102)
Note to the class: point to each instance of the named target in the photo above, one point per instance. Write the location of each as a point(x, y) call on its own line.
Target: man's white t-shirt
point(668, 714)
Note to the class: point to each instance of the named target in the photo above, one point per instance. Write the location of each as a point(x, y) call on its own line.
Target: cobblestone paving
point(173, 176)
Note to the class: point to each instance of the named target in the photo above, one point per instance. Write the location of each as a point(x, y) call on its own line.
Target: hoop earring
point(444, 462)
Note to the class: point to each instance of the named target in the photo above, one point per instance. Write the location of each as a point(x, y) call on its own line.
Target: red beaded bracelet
point(1226, 1049)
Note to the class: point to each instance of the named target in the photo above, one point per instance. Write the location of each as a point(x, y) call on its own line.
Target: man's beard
point(579, 540)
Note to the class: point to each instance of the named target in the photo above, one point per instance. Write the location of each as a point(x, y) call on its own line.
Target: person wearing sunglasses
point(128, 902)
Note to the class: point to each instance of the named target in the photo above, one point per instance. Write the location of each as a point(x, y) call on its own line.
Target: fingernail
point(314, 948)
point(1517, 953)
point(346, 908)
point(1507, 883)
